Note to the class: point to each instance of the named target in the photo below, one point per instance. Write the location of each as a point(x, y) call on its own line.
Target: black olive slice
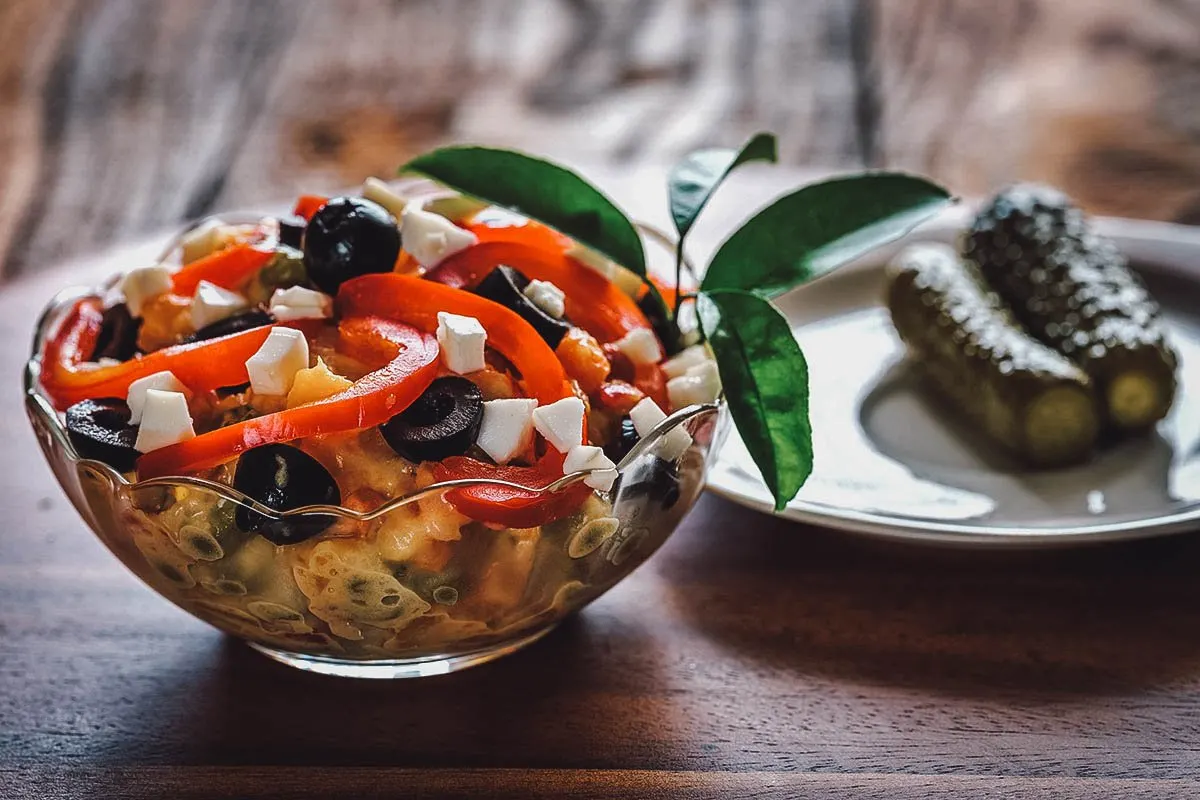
point(229, 391)
point(443, 422)
point(348, 237)
point(283, 477)
point(254, 318)
point(118, 334)
point(506, 286)
point(100, 429)
point(620, 446)
point(291, 231)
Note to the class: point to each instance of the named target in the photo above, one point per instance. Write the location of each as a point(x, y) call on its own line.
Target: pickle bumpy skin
point(1021, 393)
point(1073, 290)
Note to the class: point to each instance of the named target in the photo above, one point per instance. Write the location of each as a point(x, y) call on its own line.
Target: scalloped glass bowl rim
point(37, 404)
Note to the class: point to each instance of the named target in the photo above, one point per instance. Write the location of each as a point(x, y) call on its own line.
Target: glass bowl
point(405, 589)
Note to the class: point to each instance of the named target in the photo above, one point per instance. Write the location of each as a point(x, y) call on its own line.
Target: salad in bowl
point(409, 428)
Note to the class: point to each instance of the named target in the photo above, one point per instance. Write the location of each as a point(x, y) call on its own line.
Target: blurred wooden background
point(122, 116)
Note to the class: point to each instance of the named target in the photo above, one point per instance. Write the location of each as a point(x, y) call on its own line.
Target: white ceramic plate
point(890, 464)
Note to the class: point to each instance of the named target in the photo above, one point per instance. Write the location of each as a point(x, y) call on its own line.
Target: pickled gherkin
point(1073, 290)
point(1021, 393)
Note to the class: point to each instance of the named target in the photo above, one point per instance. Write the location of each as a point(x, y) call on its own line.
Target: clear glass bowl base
point(398, 667)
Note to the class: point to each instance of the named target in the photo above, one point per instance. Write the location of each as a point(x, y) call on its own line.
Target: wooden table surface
point(750, 657)
point(122, 116)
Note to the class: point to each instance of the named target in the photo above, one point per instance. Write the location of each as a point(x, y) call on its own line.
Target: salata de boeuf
point(355, 351)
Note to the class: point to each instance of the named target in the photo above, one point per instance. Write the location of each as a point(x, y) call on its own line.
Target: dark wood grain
point(370, 784)
point(139, 113)
point(1096, 96)
point(121, 116)
point(748, 658)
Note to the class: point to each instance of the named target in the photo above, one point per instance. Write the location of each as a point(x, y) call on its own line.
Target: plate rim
point(1142, 240)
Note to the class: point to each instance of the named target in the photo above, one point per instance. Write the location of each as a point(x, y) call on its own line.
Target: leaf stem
point(678, 279)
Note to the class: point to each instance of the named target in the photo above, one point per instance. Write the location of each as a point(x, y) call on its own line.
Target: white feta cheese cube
point(142, 284)
point(165, 421)
point(584, 457)
point(506, 429)
point(700, 384)
point(202, 240)
point(547, 297)
point(646, 415)
point(590, 258)
point(602, 480)
point(296, 302)
point(462, 340)
point(689, 325)
point(211, 303)
point(640, 346)
point(273, 368)
point(685, 359)
point(164, 381)
point(431, 238)
point(561, 423)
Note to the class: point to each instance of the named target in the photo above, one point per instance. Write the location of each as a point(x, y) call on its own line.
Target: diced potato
point(315, 383)
point(494, 385)
point(584, 360)
point(165, 319)
point(209, 237)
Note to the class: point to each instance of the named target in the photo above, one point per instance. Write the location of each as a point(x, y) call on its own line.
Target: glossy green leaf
point(655, 308)
point(820, 227)
point(541, 190)
point(765, 378)
point(694, 179)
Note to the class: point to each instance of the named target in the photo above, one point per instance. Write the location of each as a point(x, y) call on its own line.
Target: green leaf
point(765, 378)
point(655, 308)
point(820, 227)
point(539, 189)
point(693, 180)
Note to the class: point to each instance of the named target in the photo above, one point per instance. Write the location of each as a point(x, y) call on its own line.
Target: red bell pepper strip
point(501, 505)
point(593, 302)
point(308, 204)
point(371, 400)
point(416, 301)
point(648, 378)
point(228, 268)
point(653, 382)
point(530, 232)
point(200, 366)
point(406, 264)
point(466, 273)
point(619, 397)
point(667, 292)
